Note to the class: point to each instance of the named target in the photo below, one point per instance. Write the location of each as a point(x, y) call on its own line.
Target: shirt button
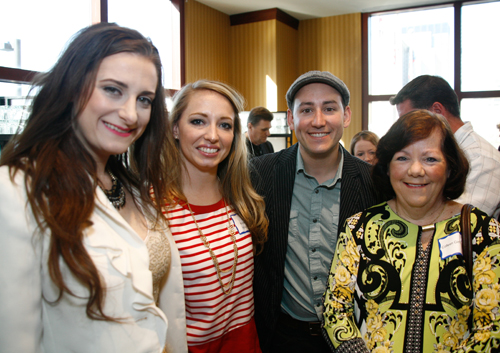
point(318, 304)
point(315, 220)
point(313, 250)
point(315, 278)
point(316, 191)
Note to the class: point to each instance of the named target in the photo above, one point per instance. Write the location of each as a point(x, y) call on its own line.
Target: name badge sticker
point(240, 225)
point(450, 245)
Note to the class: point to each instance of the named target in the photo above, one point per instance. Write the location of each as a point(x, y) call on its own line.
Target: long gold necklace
point(228, 287)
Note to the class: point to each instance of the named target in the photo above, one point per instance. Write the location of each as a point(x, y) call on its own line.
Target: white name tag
point(450, 245)
point(240, 225)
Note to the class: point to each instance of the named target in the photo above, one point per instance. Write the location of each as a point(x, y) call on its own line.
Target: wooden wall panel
point(334, 44)
point(243, 55)
point(207, 34)
point(253, 57)
point(287, 61)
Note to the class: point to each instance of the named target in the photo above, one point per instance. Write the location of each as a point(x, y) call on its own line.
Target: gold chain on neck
point(228, 287)
point(427, 227)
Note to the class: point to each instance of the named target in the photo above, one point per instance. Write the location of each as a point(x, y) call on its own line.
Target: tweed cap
point(318, 77)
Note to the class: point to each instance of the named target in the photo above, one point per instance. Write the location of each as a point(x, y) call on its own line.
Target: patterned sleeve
point(338, 316)
point(485, 333)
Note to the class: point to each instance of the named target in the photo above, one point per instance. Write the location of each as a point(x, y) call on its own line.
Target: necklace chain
point(228, 287)
point(116, 195)
point(430, 226)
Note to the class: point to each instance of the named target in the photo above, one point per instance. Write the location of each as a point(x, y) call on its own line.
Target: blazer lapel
point(126, 251)
point(282, 195)
point(350, 192)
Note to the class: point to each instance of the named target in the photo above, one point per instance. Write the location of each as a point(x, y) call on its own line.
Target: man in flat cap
point(310, 189)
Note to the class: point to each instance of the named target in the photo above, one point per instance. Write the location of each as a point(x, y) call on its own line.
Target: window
point(32, 39)
point(30, 42)
point(452, 41)
point(161, 26)
point(34, 33)
point(479, 69)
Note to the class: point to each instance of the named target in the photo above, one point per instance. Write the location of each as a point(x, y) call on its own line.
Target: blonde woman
point(364, 146)
point(215, 216)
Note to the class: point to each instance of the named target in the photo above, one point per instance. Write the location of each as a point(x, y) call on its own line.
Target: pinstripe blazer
point(273, 177)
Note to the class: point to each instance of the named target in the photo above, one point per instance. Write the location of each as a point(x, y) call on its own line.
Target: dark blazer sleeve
point(273, 177)
point(357, 192)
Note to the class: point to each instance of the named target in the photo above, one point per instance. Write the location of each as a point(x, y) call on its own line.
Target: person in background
point(309, 190)
point(364, 146)
point(436, 95)
point(399, 281)
point(215, 216)
point(259, 124)
point(79, 230)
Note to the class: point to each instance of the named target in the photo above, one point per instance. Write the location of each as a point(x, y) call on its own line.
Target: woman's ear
point(175, 130)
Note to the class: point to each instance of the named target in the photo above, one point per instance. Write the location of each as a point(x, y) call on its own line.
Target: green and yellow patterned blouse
point(385, 293)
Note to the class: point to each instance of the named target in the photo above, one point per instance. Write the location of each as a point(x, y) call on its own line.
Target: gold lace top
point(159, 259)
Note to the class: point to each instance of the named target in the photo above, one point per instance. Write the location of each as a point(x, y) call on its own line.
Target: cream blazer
point(31, 322)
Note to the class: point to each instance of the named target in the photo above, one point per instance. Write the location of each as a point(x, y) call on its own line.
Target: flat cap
point(318, 77)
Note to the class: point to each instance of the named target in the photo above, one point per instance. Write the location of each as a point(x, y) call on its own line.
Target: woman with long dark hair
point(76, 215)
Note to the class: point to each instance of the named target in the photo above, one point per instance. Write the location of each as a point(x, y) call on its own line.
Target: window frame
point(368, 98)
point(13, 75)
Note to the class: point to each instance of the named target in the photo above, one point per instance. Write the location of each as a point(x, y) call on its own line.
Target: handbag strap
point(466, 238)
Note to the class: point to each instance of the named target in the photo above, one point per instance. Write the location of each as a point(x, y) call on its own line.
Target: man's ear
point(438, 108)
point(347, 116)
point(289, 119)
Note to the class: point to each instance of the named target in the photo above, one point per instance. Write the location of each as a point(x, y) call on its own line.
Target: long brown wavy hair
point(60, 174)
point(232, 171)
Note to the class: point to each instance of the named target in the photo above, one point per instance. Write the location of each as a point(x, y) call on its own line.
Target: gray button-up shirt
point(312, 238)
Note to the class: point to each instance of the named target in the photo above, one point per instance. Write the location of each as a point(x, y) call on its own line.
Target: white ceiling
point(307, 9)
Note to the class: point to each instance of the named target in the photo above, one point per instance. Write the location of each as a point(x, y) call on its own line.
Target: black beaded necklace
point(117, 194)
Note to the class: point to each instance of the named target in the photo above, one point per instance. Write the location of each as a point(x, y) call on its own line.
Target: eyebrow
point(198, 113)
point(322, 103)
point(125, 86)
point(116, 82)
point(206, 116)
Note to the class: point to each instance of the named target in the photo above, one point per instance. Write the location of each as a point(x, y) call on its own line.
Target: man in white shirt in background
point(436, 95)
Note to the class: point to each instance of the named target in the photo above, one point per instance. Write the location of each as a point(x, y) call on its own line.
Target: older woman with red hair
point(399, 280)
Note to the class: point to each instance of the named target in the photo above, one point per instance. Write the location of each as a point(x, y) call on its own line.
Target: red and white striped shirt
point(210, 313)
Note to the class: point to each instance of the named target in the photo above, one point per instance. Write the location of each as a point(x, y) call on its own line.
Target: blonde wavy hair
point(233, 172)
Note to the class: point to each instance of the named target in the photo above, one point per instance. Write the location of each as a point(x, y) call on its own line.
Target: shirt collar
point(338, 176)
